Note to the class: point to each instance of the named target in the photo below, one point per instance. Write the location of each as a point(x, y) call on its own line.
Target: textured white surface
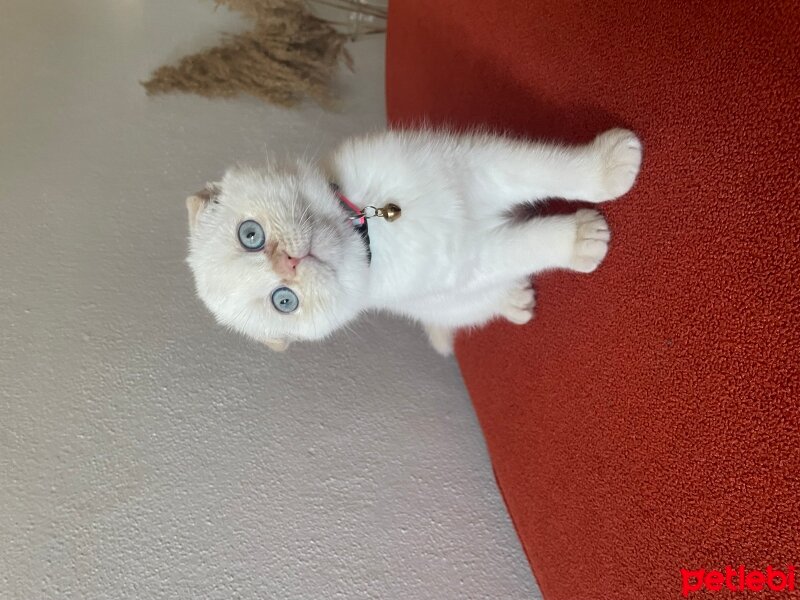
point(146, 453)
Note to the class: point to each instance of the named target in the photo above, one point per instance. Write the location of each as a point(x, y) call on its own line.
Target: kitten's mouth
point(312, 259)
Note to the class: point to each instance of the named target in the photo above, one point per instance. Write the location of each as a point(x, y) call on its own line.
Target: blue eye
point(285, 300)
point(251, 236)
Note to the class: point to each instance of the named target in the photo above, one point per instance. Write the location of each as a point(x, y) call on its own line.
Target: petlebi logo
point(738, 579)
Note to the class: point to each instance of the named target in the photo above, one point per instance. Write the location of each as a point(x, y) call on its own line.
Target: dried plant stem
point(289, 54)
point(357, 7)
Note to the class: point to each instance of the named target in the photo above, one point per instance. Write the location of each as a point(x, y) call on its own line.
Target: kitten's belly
point(454, 301)
point(398, 279)
point(428, 268)
point(456, 308)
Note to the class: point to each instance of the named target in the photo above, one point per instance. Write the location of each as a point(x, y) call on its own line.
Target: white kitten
point(276, 255)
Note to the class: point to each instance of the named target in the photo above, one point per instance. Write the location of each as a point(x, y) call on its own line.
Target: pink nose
point(292, 262)
point(284, 264)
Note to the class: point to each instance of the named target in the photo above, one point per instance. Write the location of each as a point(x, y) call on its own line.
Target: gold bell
point(390, 212)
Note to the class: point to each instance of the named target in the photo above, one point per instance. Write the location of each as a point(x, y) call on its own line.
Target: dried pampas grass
point(289, 55)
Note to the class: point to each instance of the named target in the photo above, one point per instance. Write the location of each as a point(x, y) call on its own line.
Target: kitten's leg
point(505, 172)
point(519, 304)
point(516, 307)
point(441, 338)
point(578, 242)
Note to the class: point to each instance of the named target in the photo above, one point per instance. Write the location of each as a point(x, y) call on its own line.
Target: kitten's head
point(273, 255)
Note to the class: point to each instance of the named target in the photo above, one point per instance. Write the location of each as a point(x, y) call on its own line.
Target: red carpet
point(648, 419)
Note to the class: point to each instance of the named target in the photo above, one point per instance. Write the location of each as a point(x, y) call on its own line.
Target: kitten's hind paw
point(519, 304)
point(620, 153)
point(591, 241)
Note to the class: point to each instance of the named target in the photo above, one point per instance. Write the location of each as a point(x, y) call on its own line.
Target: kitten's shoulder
point(394, 146)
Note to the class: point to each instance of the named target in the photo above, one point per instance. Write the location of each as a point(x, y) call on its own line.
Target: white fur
point(453, 259)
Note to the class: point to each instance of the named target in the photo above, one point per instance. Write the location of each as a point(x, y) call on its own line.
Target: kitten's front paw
point(591, 241)
point(519, 304)
point(620, 154)
point(441, 338)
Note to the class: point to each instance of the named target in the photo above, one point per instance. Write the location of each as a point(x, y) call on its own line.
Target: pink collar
point(358, 219)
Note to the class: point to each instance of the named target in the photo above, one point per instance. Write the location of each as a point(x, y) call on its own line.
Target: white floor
point(145, 452)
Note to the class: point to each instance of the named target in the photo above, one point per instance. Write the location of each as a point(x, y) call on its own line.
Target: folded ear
point(197, 203)
point(277, 345)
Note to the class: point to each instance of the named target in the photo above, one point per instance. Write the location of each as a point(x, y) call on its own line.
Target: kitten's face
point(274, 257)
